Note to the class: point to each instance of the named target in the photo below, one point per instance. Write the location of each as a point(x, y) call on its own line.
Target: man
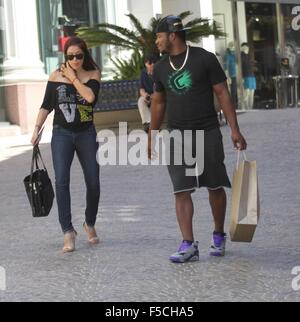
point(185, 80)
point(146, 91)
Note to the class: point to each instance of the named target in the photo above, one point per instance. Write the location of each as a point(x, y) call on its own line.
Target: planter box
point(118, 95)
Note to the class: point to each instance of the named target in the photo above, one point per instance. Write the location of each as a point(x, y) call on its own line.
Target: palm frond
point(153, 24)
point(128, 69)
point(142, 39)
point(137, 24)
point(100, 37)
point(218, 30)
point(104, 26)
point(196, 33)
point(183, 15)
point(197, 21)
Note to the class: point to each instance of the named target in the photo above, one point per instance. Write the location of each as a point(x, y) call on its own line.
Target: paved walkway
point(138, 228)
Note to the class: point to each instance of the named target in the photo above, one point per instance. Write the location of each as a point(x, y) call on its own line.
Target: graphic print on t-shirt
point(80, 99)
point(69, 112)
point(180, 82)
point(86, 113)
point(67, 104)
point(85, 110)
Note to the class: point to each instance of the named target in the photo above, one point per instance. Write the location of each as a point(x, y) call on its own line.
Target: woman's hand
point(36, 137)
point(68, 72)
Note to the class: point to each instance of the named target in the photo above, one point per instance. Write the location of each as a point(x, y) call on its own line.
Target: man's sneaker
point(187, 252)
point(218, 243)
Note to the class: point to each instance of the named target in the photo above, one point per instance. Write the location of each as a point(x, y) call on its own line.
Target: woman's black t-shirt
point(72, 111)
point(189, 91)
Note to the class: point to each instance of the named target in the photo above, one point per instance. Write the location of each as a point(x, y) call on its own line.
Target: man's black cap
point(171, 24)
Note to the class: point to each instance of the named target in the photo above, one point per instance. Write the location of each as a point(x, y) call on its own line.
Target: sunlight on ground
point(14, 146)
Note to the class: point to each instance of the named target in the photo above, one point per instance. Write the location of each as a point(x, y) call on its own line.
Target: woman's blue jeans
point(64, 144)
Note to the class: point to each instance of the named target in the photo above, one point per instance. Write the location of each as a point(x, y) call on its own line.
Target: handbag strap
point(33, 161)
point(239, 156)
point(36, 155)
point(39, 156)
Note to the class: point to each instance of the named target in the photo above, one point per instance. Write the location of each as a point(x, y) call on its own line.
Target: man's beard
point(167, 49)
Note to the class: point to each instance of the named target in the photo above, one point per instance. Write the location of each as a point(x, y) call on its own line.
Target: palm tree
point(143, 39)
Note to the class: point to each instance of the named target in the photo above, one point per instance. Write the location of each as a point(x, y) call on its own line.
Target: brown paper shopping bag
point(245, 208)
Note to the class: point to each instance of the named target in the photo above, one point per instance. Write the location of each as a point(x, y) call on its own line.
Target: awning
point(270, 1)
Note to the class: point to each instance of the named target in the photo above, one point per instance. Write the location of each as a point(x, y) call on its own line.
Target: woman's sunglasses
point(78, 57)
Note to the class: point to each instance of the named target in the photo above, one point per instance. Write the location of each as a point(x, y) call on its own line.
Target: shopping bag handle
point(239, 156)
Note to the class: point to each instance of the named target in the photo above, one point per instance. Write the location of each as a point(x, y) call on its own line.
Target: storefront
point(32, 34)
point(59, 19)
point(273, 38)
point(2, 110)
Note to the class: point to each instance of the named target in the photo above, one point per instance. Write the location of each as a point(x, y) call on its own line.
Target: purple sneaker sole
point(194, 258)
point(217, 254)
point(177, 261)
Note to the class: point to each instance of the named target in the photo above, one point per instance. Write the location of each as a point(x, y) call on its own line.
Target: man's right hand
point(238, 140)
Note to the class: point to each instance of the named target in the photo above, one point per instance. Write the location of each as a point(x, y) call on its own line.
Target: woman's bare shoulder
point(95, 74)
point(55, 76)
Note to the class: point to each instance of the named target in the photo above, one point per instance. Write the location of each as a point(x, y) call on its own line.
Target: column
point(2, 110)
point(177, 6)
point(145, 10)
point(157, 8)
point(24, 80)
point(22, 61)
point(121, 9)
point(206, 11)
point(1, 15)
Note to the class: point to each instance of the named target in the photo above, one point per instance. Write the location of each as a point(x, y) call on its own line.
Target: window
point(263, 41)
point(59, 19)
point(1, 32)
point(77, 10)
point(291, 14)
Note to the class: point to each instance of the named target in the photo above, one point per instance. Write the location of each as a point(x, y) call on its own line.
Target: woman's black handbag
point(38, 187)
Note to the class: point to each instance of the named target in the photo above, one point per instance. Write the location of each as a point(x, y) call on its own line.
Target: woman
point(72, 92)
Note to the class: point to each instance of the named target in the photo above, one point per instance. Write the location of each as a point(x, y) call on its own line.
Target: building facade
point(32, 34)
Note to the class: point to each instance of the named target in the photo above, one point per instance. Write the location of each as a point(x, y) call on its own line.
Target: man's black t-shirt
point(72, 111)
point(190, 99)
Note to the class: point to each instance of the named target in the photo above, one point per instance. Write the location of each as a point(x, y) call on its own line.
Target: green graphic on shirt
point(181, 82)
point(85, 113)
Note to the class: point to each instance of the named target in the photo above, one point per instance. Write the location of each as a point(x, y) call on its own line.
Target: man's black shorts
point(214, 175)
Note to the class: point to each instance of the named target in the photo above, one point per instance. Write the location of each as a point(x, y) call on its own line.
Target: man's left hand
point(239, 141)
